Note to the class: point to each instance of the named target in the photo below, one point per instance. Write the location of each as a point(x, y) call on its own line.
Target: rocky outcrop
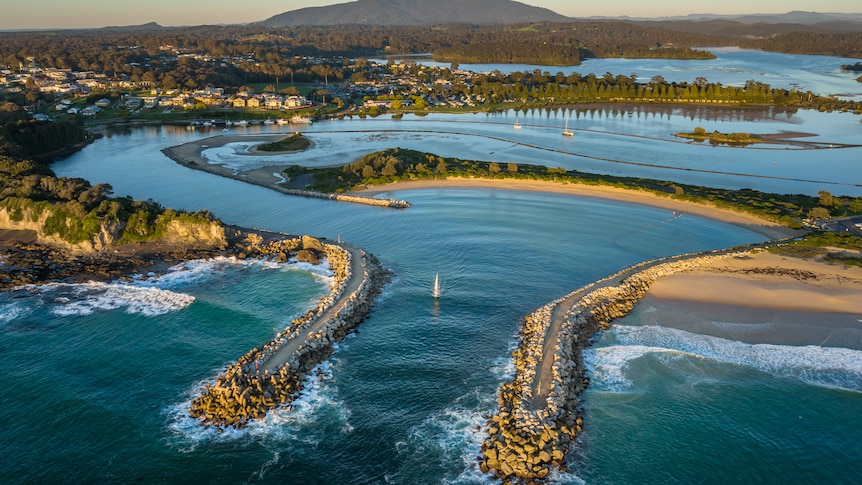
point(272, 375)
point(180, 234)
point(529, 436)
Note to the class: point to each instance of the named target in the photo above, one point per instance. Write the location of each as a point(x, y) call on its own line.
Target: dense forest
point(842, 45)
point(257, 52)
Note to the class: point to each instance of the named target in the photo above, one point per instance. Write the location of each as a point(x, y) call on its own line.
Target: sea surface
point(98, 377)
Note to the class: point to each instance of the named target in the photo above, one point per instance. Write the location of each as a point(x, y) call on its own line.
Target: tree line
point(261, 54)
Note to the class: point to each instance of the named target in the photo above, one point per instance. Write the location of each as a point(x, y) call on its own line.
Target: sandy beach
point(763, 298)
point(749, 221)
point(189, 154)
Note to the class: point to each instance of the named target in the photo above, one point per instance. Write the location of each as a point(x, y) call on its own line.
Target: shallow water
point(97, 378)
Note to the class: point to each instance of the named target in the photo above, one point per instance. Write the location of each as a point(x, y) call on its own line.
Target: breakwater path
point(283, 354)
point(272, 375)
point(538, 416)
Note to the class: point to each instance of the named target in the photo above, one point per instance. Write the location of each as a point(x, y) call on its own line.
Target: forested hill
point(416, 12)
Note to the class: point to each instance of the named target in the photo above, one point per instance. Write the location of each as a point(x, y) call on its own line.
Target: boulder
point(309, 242)
point(307, 256)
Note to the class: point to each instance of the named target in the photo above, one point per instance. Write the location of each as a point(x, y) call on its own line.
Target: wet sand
point(764, 298)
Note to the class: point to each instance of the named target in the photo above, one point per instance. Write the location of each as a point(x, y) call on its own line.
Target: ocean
point(97, 378)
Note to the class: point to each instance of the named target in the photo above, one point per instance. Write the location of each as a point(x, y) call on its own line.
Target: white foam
point(453, 435)
point(827, 366)
point(87, 298)
point(608, 365)
point(9, 312)
point(196, 271)
point(305, 420)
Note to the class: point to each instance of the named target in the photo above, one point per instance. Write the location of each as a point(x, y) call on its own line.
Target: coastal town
point(376, 86)
point(460, 252)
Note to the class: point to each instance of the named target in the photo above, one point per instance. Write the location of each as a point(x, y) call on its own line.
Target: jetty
point(538, 417)
point(271, 376)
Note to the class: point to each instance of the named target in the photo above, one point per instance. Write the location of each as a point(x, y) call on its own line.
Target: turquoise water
point(97, 378)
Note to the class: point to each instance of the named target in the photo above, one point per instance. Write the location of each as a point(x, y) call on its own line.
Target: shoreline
point(190, 155)
point(766, 228)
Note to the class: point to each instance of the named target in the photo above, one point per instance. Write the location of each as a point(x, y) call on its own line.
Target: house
point(296, 102)
point(239, 102)
point(103, 103)
point(252, 103)
point(273, 102)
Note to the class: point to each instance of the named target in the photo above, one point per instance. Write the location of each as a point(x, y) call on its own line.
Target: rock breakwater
point(272, 375)
point(538, 417)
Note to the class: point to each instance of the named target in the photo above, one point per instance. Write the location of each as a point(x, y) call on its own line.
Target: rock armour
point(246, 391)
point(525, 444)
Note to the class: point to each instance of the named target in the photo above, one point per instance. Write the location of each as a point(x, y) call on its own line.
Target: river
point(97, 378)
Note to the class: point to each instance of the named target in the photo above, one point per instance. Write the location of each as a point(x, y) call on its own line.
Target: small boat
point(242, 123)
point(517, 125)
point(269, 121)
point(436, 292)
point(282, 121)
point(301, 120)
point(566, 130)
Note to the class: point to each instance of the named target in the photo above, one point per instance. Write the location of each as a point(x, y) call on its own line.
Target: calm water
point(732, 66)
point(97, 377)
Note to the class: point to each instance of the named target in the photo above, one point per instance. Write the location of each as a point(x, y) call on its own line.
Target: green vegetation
point(293, 142)
point(397, 164)
point(70, 208)
point(833, 247)
point(716, 138)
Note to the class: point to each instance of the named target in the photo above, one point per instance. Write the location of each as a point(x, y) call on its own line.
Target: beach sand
point(767, 228)
point(763, 298)
point(191, 152)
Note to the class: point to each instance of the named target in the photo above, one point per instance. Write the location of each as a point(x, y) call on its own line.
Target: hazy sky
point(23, 14)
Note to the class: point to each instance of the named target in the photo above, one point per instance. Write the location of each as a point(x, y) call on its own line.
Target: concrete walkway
point(357, 276)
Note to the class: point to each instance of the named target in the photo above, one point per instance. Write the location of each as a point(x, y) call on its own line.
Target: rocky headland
point(272, 375)
point(33, 255)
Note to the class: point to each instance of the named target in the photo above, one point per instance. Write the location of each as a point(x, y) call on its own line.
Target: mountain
point(416, 12)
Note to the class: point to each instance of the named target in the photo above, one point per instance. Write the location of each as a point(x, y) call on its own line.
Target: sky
point(51, 14)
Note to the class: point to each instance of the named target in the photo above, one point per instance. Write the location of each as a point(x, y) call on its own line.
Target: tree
point(494, 167)
point(512, 167)
point(818, 213)
point(825, 199)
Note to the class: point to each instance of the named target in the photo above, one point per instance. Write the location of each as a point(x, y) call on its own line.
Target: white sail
point(436, 292)
point(566, 131)
point(517, 125)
